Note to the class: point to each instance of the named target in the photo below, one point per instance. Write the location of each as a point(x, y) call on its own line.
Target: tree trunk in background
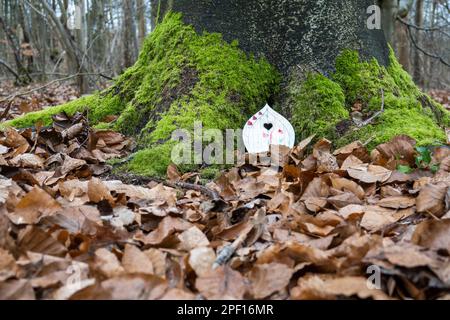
point(141, 7)
point(389, 10)
point(418, 20)
point(310, 33)
point(129, 33)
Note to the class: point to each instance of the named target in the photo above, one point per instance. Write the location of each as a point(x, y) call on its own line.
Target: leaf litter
point(312, 228)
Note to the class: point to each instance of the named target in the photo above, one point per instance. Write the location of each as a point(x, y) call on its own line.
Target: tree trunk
point(141, 7)
point(311, 33)
point(184, 76)
point(389, 9)
point(418, 20)
point(129, 33)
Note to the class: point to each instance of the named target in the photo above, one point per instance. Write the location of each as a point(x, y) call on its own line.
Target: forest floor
point(325, 224)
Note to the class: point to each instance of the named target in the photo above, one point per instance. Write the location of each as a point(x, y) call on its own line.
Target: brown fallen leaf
point(36, 240)
point(27, 160)
point(433, 234)
point(8, 266)
point(222, 283)
point(397, 202)
point(376, 217)
point(192, 238)
point(201, 260)
point(107, 263)
point(165, 228)
point(136, 261)
point(431, 199)
point(343, 184)
point(399, 150)
point(35, 205)
point(98, 191)
point(315, 287)
point(369, 173)
point(269, 278)
point(16, 290)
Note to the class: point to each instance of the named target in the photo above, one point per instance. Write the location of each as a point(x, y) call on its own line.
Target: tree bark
point(418, 21)
point(141, 7)
point(129, 33)
point(311, 33)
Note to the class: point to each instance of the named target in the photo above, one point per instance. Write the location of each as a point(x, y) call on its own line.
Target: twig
point(377, 114)
point(213, 195)
point(414, 42)
point(227, 252)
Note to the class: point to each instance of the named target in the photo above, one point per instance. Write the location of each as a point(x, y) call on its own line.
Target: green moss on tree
point(364, 83)
point(180, 77)
point(318, 105)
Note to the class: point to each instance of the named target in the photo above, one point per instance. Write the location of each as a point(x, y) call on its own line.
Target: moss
point(408, 118)
point(191, 77)
point(317, 106)
point(366, 86)
point(180, 77)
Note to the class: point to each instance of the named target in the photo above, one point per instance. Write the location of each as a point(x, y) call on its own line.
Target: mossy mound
point(322, 106)
point(180, 77)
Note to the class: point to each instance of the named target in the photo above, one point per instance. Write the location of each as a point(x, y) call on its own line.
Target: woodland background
point(36, 44)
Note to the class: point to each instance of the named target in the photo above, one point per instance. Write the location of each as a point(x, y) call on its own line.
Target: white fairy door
point(265, 128)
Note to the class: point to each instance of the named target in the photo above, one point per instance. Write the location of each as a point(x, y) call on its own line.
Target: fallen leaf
point(315, 287)
point(269, 278)
point(433, 234)
point(192, 238)
point(201, 260)
point(431, 199)
point(222, 283)
point(369, 173)
point(136, 261)
point(35, 205)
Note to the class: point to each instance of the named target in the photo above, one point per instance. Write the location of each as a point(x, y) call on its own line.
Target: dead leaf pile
point(326, 224)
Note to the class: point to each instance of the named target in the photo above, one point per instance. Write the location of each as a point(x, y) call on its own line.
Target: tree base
point(182, 77)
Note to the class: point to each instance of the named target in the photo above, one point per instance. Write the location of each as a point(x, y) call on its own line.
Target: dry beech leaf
point(135, 287)
point(8, 266)
point(343, 184)
point(352, 211)
point(107, 263)
point(158, 260)
point(178, 294)
point(27, 160)
point(399, 148)
point(431, 199)
point(399, 202)
point(33, 206)
point(98, 191)
point(166, 227)
point(433, 234)
point(172, 173)
point(16, 290)
point(318, 287)
point(350, 161)
point(136, 261)
point(222, 283)
point(376, 218)
point(369, 173)
point(36, 240)
point(269, 278)
point(201, 260)
point(192, 238)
